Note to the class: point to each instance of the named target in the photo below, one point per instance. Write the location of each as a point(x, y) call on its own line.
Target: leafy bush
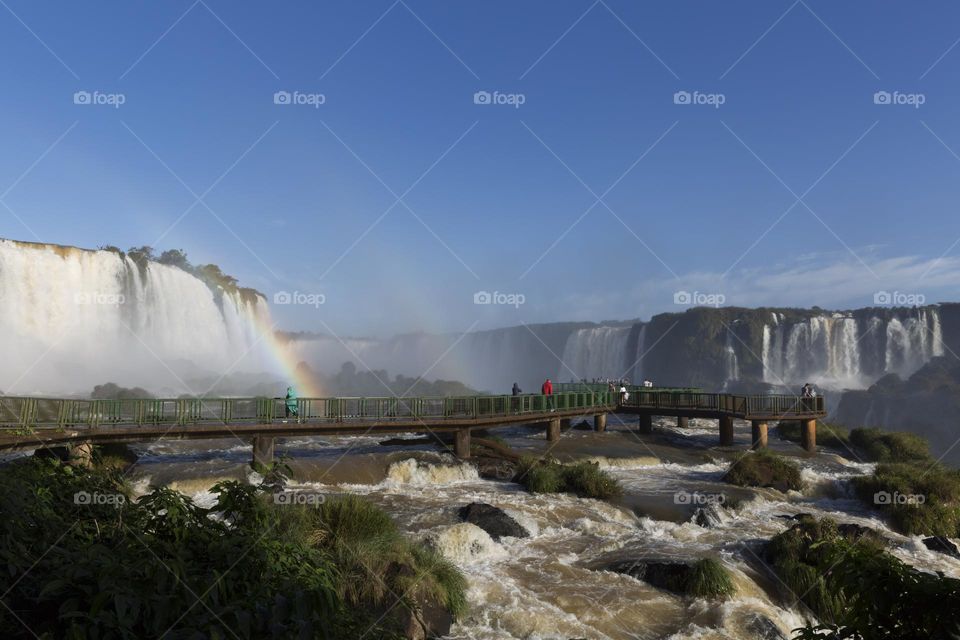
point(81, 559)
point(586, 479)
point(858, 590)
point(763, 468)
point(920, 499)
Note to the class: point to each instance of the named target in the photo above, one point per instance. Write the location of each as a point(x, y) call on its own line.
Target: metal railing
point(603, 386)
point(27, 412)
point(723, 403)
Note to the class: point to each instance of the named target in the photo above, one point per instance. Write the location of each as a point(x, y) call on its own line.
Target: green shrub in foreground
point(127, 569)
point(858, 590)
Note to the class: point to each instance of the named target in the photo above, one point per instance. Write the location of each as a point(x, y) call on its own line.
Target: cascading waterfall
point(732, 364)
point(597, 352)
point(840, 351)
point(75, 318)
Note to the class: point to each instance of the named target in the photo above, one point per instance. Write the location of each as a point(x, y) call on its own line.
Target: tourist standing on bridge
point(547, 390)
point(516, 389)
point(290, 404)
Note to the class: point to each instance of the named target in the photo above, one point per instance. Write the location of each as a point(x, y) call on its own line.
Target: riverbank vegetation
point(585, 479)
point(81, 558)
point(869, 445)
point(764, 468)
point(857, 590)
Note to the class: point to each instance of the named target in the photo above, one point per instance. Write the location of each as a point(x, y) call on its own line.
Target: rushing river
point(544, 586)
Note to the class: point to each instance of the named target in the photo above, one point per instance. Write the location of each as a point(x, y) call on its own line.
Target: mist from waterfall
point(75, 318)
point(596, 352)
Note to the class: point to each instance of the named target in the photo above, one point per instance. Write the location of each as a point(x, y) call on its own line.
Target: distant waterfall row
point(74, 318)
point(849, 351)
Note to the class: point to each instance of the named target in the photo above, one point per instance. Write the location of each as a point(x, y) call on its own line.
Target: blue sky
point(495, 197)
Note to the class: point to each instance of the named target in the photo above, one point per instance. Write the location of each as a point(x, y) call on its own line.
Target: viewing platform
point(32, 423)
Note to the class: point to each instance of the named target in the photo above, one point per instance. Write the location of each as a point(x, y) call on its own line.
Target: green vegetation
point(873, 445)
point(763, 468)
point(81, 559)
point(211, 274)
point(708, 578)
point(586, 479)
point(919, 496)
point(920, 499)
point(858, 590)
point(890, 446)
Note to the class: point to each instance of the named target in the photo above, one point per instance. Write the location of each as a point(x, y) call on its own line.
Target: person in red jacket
point(547, 390)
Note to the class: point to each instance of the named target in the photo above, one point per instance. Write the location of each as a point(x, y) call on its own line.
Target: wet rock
point(762, 628)
point(424, 618)
point(663, 575)
point(942, 544)
point(855, 531)
point(798, 516)
point(583, 425)
point(702, 519)
point(490, 468)
point(492, 520)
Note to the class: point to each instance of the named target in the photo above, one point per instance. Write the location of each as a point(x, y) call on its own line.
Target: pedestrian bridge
point(33, 422)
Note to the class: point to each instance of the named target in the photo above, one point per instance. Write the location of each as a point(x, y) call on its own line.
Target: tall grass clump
point(365, 542)
point(708, 578)
point(919, 499)
point(585, 479)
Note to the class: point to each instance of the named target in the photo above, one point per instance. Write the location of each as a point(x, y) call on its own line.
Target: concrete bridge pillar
point(726, 431)
point(553, 430)
point(461, 444)
point(80, 455)
point(759, 429)
point(262, 451)
point(808, 435)
point(600, 422)
point(683, 422)
point(646, 423)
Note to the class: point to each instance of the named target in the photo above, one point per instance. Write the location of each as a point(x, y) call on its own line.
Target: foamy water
point(546, 587)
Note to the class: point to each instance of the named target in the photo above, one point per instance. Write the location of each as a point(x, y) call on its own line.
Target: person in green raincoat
point(291, 403)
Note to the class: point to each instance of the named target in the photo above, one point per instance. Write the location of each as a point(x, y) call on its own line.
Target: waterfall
point(597, 352)
point(839, 351)
point(75, 318)
point(732, 367)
